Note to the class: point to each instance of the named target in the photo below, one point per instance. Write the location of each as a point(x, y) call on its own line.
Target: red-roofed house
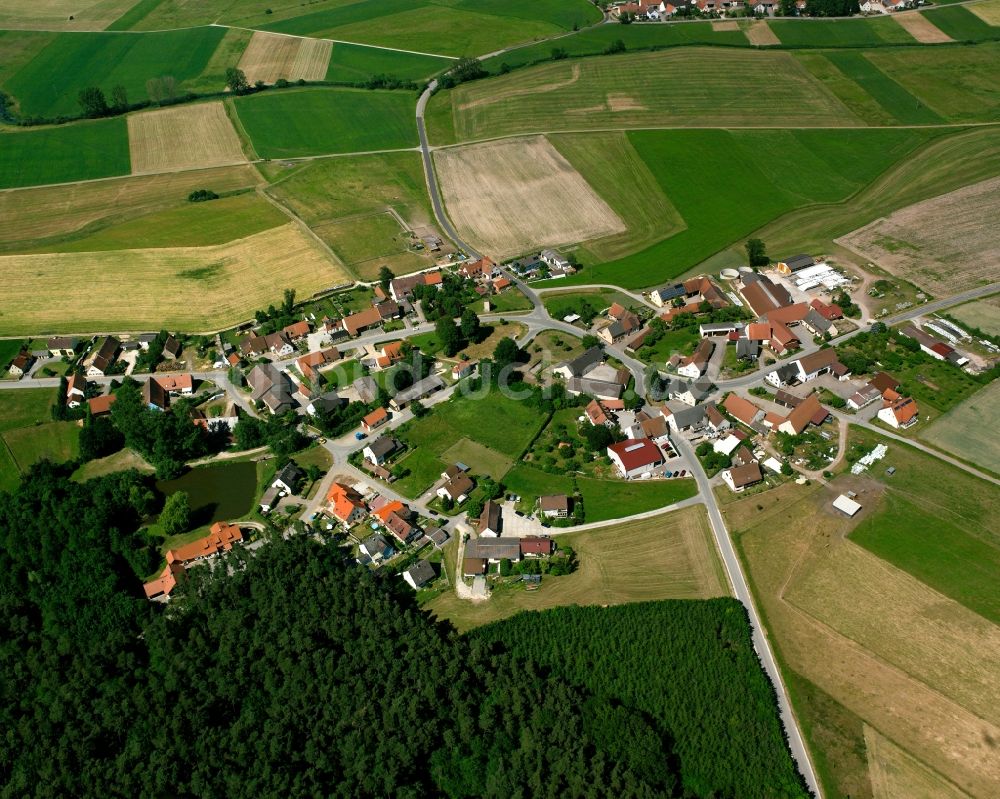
point(161, 586)
point(99, 406)
point(463, 369)
point(374, 420)
point(831, 312)
point(635, 456)
point(391, 353)
point(345, 504)
point(802, 416)
point(742, 410)
point(221, 537)
point(310, 364)
point(598, 414)
point(900, 413)
point(297, 330)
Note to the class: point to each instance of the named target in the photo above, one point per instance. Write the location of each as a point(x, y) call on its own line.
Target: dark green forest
point(300, 674)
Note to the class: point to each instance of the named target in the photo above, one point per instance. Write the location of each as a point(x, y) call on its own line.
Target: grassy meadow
point(962, 25)
point(722, 200)
point(350, 63)
point(48, 85)
point(291, 124)
point(895, 99)
point(857, 32)
point(28, 434)
point(671, 556)
point(84, 151)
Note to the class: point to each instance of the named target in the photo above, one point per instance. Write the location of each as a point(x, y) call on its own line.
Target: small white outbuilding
point(846, 505)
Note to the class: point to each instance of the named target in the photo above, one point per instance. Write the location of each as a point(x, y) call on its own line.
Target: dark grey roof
point(493, 548)
point(438, 536)
point(597, 388)
point(797, 262)
point(747, 348)
point(581, 364)
point(383, 446)
point(421, 572)
point(375, 543)
point(687, 417)
point(817, 321)
point(670, 292)
point(289, 474)
point(366, 387)
point(328, 402)
point(419, 389)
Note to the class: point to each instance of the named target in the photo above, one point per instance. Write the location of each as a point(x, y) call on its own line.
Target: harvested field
point(759, 32)
point(895, 774)
point(942, 259)
point(960, 431)
point(64, 15)
point(984, 314)
point(271, 56)
point(33, 217)
point(187, 137)
point(988, 12)
point(509, 196)
point(921, 28)
point(671, 556)
point(792, 543)
point(726, 25)
point(189, 288)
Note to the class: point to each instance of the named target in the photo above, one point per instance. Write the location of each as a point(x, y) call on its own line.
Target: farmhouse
point(900, 413)
point(100, 360)
point(696, 364)
point(391, 353)
point(598, 414)
point(494, 550)
point(345, 504)
point(655, 428)
point(310, 364)
point(535, 546)
point(62, 346)
point(374, 420)
point(819, 324)
point(401, 288)
point(362, 320)
point(490, 520)
point(272, 387)
point(21, 364)
point(691, 393)
point(279, 344)
point(603, 389)
point(863, 397)
point(635, 457)
point(473, 567)
point(739, 478)
point(101, 406)
point(381, 448)
point(705, 291)
point(554, 260)
point(419, 574)
point(761, 295)
point(805, 413)
point(685, 418)
point(666, 295)
point(554, 506)
point(419, 390)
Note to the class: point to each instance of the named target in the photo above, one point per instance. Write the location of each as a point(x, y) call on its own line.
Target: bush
point(202, 195)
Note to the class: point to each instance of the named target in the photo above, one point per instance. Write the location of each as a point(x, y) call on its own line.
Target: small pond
point(219, 492)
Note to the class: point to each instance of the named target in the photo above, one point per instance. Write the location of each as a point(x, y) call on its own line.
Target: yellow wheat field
point(988, 12)
point(187, 137)
point(508, 196)
point(759, 32)
point(271, 56)
point(188, 288)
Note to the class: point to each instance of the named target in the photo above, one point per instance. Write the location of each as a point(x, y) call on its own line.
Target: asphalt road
point(796, 743)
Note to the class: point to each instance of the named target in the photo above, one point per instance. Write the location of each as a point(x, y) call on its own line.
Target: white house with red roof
point(636, 457)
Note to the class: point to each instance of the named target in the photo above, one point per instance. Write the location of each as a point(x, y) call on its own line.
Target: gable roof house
point(391, 353)
point(419, 390)
point(716, 421)
point(279, 344)
point(221, 537)
point(21, 364)
point(739, 478)
point(345, 504)
point(685, 418)
point(160, 587)
point(784, 375)
point(581, 364)
point(554, 506)
point(355, 323)
point(598, 414)
point(62, 346)
point(884, 381)
point(490, 520)
point(377, 547)
point(692, 393)
point(815, 364)
point(900, 413)
point(534, 546)
point(819, 324)
point(154, 396)
point(395, 516)
point(747, 349)
point(762, 295)
point(463, 369)
point(655, 428)
point(743, 410)
point(494, 550)
point(401, 288)
point(603, 389)
point(419, 574)
point(272, 387)
point(831, 311)
point(381, 448)
point(366, 387)
point(172, 348)
point(76, 390)
point(288, 477)
point(667, 294)
point(252, 345)
point(310, 363)
point(100, 360)
point(375, 419)
point(696, 364)
point(635, 457)
point(805, 413)
point(456, 488)
point(101, 406)
point(863, 397)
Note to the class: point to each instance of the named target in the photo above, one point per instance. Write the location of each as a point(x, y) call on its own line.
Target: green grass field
point(596, 40)
point(448, 27)
point(629, 91)
point(423, 469)
point(954, 547)
point(9, 348)
point(763, 175)
point(188, 225)
point(367, 243)
point(351, 63)
point(960, 430)
point(840, 32)
point(962, 25)
point(25, 418)
point(615, 499)
point(287, 124)
point(82, 151)
point(888, 93)
point(48, 85)
point(480, 459)
point(17, 48)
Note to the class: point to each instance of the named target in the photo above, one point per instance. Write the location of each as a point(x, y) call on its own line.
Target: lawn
point(954, 547)
point(27, 432)
point(560, 304)
point(367, 243)
point(962, 25)
point(668, 557)
point(452, 27)
point(9, 348)
point(530, 484)
point(291, 123)
point(981, 314)
point(49, 84)
point(495, 421)
point(55, 441)
point(887, 92)
point(479, 459)
point(83, 151)
point(118, 462)
point(616, 499)
point(188, 225)
point(627, 91)
point(422, 470)
point(594, 41)
point(764, 175)
point(25, 407)
point(681, 340)
point(352, 63)
point(839, 32)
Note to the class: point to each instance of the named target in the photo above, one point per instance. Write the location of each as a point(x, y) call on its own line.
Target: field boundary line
point(301, 223)
point(335, 41)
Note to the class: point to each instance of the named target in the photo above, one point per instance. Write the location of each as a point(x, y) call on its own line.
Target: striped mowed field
point(188, 288)
point(271, 56)
point(185, 137)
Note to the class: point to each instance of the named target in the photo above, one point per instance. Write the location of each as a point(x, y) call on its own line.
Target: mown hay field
point(84, 151)
point(856, 32)
point(960, 431)
point(351, 63)
point(962, 25)
point(50, 83)
point(921, 28)
point(508, 196)
point(635, 91)
point(34, 217)
point(941, 258)
point(671, 556)
point(895, 773)
point(886, 667)
point(983, 314)
point(186, 137)
point(306, 122)
point(195, 288)
point(988, 12)
point(758, 32)
point(70, 15)
point(271, 56)
point(364, 244)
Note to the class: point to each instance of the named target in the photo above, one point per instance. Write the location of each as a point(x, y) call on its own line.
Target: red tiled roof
point(220, 538)
point(740, 408)
point(375, 418)
point(102, 404)
point(636, 453)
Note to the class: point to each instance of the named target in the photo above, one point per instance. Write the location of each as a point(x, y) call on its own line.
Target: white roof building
point(846, 505)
